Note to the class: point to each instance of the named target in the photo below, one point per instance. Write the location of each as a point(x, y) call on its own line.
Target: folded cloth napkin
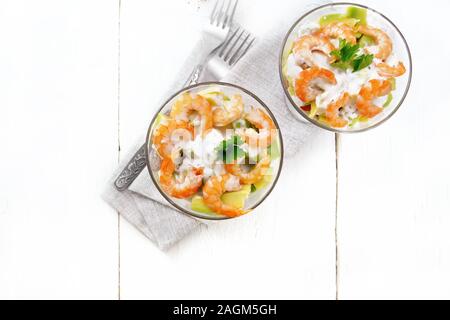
point(142, 204)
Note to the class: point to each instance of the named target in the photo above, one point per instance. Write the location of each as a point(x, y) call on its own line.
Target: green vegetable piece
point(265, 181)
point(365, 41)
point(393, 83)
point(253, 188)
point(389, 99)
point(329, 18)
point(362, 61)
point(230, 150)
point(357, 13)
point(199, 205)
point(239, 124)
point(345, 54)
point(291, 87)
point(313, 110)
point(237, 199)
point(274, 150)
point(160, 118)
point(337, 17)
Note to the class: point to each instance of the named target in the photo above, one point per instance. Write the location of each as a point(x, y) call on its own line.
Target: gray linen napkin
point(142, 204)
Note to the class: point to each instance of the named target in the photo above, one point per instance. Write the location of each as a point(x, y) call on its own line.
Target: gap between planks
point(118, 143)
point(336, 145)
point(337, 138)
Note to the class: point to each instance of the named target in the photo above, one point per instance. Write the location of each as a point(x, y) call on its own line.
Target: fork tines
point(236, 46)
point(223, 12)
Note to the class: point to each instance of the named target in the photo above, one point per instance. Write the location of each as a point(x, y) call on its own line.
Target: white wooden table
point(79, 81)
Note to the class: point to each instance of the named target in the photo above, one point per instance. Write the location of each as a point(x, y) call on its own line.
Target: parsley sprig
point(229, 150)
point(348, 56)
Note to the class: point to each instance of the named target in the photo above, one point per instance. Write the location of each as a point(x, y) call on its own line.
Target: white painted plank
point(58, 133)
point(285, 249)
point(394, 193)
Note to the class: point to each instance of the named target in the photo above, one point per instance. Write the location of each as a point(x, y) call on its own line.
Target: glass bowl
point(153, 160)
point(400, 48)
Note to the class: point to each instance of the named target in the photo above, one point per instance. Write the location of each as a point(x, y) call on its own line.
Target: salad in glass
point(345, 67)
point(215, 151)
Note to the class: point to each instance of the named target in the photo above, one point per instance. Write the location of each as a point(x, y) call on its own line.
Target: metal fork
point(235, 47)
point(220, 23)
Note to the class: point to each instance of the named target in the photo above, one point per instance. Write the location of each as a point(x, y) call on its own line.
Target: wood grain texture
point(284, 249)
point(63, 117)
point(394, 189)
point(58, 132)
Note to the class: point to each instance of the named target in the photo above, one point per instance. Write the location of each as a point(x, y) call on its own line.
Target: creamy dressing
point(346, 80)
point(201, 153)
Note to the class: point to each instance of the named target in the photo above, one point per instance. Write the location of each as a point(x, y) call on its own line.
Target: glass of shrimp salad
point(345, 67)
point(214, 151)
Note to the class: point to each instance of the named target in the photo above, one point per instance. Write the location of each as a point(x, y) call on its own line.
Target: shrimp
point(332, 112)
point(383, 47)
point(305, 46)
point(254, 175)
point(265, 125)
point(374, 89)
point(388, 71)
point(169, 132)
point(185, 185)
point(338, 30)
point(310, 81)
point(213, 190)
point(225, 115)
point(186, 105)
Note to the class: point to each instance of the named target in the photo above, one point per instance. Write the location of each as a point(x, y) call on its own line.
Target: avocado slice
point(235, 199)
point(199, 205)
point(357, 13)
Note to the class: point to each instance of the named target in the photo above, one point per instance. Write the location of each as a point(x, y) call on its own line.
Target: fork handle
point(132, 169)
point(194, 78)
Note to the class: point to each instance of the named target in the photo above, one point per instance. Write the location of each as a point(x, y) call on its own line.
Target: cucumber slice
point(357, 13)
point(329, 18)
point(393, 83)
point(274, 150)
point(365, 41)
point(388, 100)
point(336, 17)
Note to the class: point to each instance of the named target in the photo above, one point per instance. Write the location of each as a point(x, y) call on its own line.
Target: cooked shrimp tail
point(223, 116)
point(185, 185)
point(252, 176)
point(213, 190)
point(310, 82)
point(374, 89)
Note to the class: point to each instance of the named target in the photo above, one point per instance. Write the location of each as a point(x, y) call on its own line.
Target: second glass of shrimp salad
point(345, 67)
point(215, 151)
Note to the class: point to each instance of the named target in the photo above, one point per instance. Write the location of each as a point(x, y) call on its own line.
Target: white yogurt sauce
point(201, 152)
